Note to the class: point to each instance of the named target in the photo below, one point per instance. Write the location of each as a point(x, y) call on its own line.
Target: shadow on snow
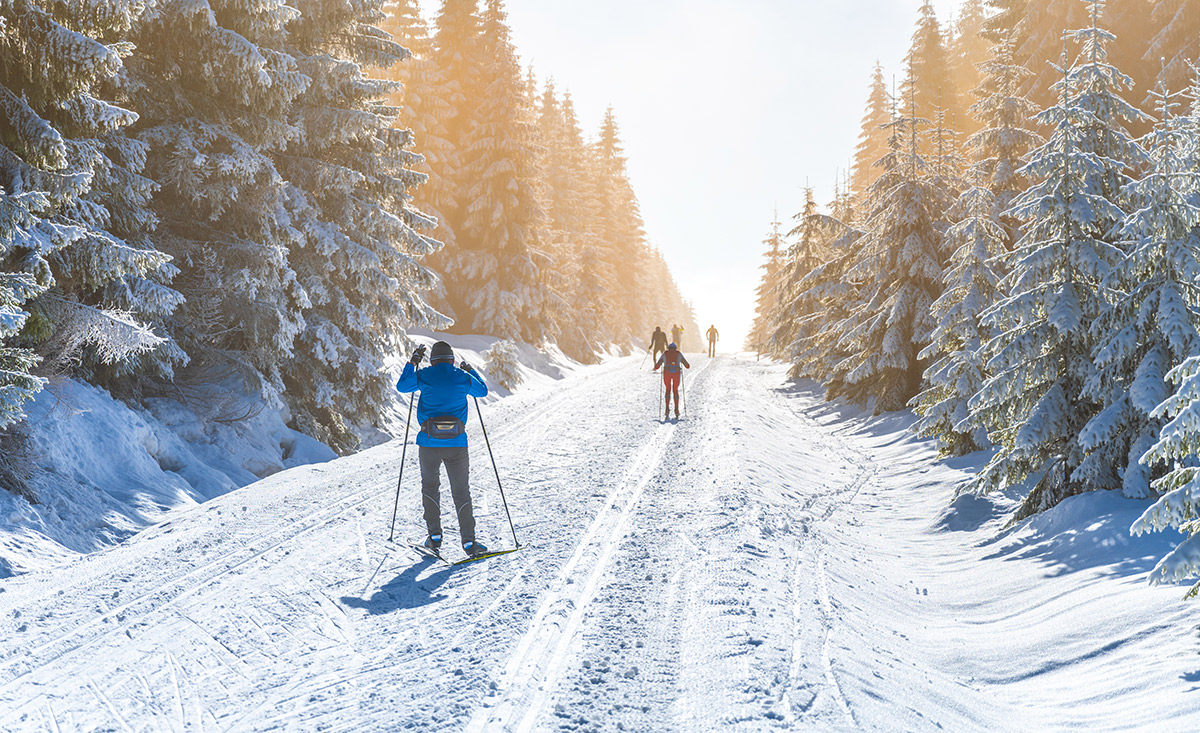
point(404, 591)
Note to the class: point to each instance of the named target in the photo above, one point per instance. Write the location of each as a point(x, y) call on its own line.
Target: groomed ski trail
point(537, 662)
point(772, 562)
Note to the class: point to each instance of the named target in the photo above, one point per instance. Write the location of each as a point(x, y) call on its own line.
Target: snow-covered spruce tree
point(956, 372)
point(622, 236)
point(873, 135)
point(215, 91)
point(1176, 452)
point(423, 108)
point(766, 296)
point(1006, 137)
point(1033, 402)
point(18, 227)
point(929, 80)
point(831, 295)
point(503, 364)
point(580, 286)
point(358, 254)
point(968, 50)
point(1176, 38)
point(899, 262)
point(77, 218)
point(803, 255)
point(492, 277)
point(979, 238)
point(1040, 39)
point(1150, 325)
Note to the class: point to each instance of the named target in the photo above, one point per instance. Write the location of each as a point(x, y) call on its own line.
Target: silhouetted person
point(658, 342)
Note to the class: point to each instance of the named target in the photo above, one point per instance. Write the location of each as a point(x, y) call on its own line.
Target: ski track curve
point(668, 565)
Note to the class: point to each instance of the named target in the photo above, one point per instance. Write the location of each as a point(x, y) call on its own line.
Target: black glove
point(418, 356)
point(467, 367)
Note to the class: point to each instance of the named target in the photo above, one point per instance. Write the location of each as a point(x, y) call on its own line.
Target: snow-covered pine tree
point(803, 255)
point(559, 199)
point(423, 108)
point(968, 50)
point(1002, 21)
point(215, 90)
point(1178, 505)
point(1005, 138)
point(621, 234)
point(492, 278)
point(873, 135)
point(766, 295)
point(1176, 38)
point(1150, 324)
point(956, 372)
point(358, 255)
point(77, 214)
point(449, 100)
point(929, 80)
point(581, 285)
point(829, 294)
point(1033, 402)
point(503, 364)
point(899, 262)
point(1040, 37)
point(19, 230)
point(979, 238)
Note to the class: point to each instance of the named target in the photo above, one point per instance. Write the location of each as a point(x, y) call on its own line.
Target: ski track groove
point(108, 704)
point(549, 636)
point(865, 473)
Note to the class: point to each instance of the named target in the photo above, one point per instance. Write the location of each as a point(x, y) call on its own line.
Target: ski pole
point(643, 364)
point(403, 452)
point(493, 457)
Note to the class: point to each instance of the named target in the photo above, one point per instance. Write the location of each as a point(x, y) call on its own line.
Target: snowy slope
point(771, 562)
point(102, 470)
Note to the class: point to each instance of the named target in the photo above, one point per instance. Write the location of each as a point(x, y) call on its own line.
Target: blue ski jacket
point(444, 390)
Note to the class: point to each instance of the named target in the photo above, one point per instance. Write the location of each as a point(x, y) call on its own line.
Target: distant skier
point(658, 342)
point(712, 339)
point(442, 414)
point(677, 333)
point(672, 373)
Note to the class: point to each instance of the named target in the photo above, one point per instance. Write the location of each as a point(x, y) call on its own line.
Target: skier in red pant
point(672, 373)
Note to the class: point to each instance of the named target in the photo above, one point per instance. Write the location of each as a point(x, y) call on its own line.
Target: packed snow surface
point(769, 562)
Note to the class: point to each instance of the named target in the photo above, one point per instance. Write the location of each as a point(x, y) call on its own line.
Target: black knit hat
point(441, 351)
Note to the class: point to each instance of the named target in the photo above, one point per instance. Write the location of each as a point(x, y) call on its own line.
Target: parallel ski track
point(163, 596)
point(537, 662)
point(802, 607)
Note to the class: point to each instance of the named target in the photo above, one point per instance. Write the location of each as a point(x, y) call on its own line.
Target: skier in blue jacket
point(442, 413)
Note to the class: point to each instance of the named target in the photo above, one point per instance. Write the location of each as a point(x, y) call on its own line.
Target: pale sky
point(726, 107)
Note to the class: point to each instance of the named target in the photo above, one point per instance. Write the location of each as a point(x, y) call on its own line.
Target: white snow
point(770, 562)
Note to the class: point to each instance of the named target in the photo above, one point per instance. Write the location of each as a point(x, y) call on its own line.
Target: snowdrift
point(101, 470)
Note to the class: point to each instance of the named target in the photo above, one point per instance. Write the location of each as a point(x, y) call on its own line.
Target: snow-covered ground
point(770, 562)
point(100, 470)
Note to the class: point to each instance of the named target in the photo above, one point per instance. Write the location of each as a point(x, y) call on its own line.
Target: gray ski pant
point(458, 470)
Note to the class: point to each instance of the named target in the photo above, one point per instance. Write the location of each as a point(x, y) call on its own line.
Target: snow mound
point(103, 470)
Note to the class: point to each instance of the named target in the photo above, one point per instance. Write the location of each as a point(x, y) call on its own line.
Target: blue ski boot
point(475, 549)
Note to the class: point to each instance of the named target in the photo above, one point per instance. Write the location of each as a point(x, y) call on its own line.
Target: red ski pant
point(671, 380)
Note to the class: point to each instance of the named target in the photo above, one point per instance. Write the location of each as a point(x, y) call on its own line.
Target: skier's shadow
point(403, 591)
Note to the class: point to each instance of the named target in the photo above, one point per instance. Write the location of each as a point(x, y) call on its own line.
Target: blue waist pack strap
point(444, 427)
